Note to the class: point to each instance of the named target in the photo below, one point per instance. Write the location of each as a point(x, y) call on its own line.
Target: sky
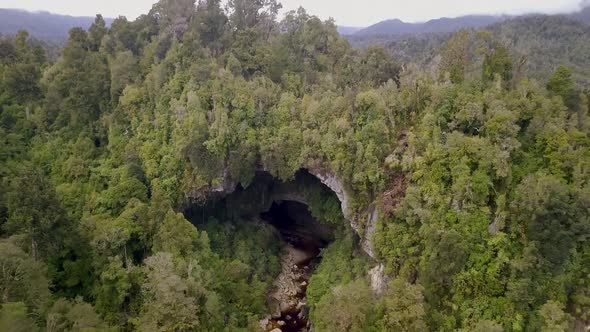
point(345, 12)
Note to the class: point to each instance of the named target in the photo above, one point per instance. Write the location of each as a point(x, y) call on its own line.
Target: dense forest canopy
point(475, 165)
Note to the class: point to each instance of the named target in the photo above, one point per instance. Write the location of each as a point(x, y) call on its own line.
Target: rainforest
point(214, 166)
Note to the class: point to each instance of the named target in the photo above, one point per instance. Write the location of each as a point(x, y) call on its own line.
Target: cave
point(298, 227)
point(287, 207)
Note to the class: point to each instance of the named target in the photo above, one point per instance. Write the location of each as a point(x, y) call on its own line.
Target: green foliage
point(479, 175)
point(113, 290)
point(33, 211)
point(497, 59)
point(177, 236)
point(248, 264)
point(23, 280)
point(404, 307)
point(561, 84)
point(14, 318)
point(168, 303)
point(554, 319)
point(455, 57)
point(73, 316)
point(344, 308)
point(340, 266)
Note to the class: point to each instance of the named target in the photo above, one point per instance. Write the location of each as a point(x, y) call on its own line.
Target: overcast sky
point(345, 12)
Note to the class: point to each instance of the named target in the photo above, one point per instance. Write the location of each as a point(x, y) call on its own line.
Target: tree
point(345, 308)
point(14, 318)
point(488, 326)
point(176, 236)
point(404, 307)
point(22, 279)
point(113, 290)
point(562, 85)
point(34, 211)
point(554, 318)
point(210, 22)
point(497, 59)
point(75, 316)
point(552, 215)
point(123, 71)
point(456, 57)
point(168, 305)
point(7, 51)
point(117, 196)
point(96, 33)
point(78, 86)
point(21, 83)
point(379, 66)
point(246, 14)
point(174, 14)
point(497, 62)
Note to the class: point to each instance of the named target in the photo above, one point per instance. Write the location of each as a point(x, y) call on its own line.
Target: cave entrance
point(298, 227)
point(287, 206)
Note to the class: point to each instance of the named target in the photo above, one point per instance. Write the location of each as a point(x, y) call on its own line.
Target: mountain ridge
point(42, 24)
point(443, 24)
point(395, 26)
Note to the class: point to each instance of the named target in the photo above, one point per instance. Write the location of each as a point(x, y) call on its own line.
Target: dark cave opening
point(287, 207)
point(297, 226)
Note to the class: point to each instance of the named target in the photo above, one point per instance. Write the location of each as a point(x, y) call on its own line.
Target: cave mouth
point(298, 227)
point(286, 206)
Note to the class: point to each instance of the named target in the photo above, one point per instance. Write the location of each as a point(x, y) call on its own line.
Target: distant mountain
point(398, 27)
point(42, 25)
point(583, 15)
point(445, 25)
point(543, 42)
point(348, 30)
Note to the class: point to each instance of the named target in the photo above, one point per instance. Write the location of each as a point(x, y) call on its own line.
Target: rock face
point(582, 326)
point(332, 182)
point(378, 279)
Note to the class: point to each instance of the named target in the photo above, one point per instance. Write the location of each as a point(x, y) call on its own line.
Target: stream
point(290, 312)
point(300, 257)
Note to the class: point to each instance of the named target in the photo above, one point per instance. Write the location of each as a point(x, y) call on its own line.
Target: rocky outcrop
point(288, 284)
point(371, 227)
point(332, 182)
point(225, 186)
point(378, 279)
point(582, 326)
point(366, 234)
point(287, 301)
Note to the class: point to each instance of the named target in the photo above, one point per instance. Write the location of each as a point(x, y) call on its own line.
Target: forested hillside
point(537, 43)
point(42, 25)
point(451, 194)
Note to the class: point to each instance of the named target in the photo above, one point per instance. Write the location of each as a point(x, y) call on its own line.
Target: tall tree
point(561, 84)
point(455, 57)
point(34, 211)
point(96, 32)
